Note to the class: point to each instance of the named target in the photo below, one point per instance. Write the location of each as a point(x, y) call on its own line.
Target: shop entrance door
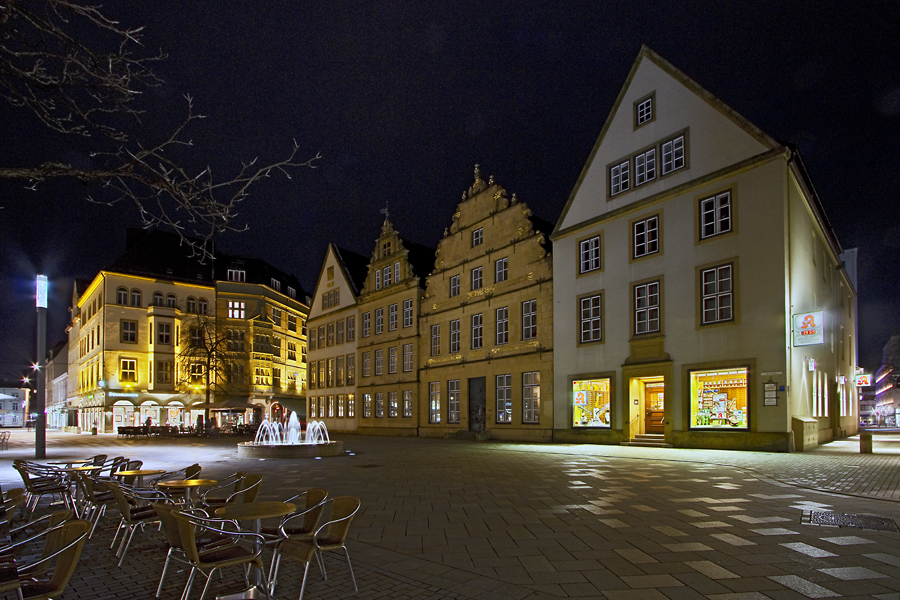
point(646, 397)
point(477, 404)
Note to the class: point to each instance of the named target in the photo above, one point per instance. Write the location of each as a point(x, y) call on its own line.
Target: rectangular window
point(236, 275)
point(393, 405)
point(312, 407)
point(476, 278)
point(386, 279)
point(715, 215)
point(292, 292)
point(351, 329)
point(618, 178)
point(128, 370)
point(590, 254)
point(321, 336)
point(407, 357)
point(392, 317)
point(339, 332)
point(407, 313)
point(503, 325)
point(379, 405)
point(276, 317)
point(351, 405)
point(329, 335)
point(367, 406)
point(392, 359)
point(435, 340)
point(379, 321)
point(646, 308)
point(366, 322)
point(529, 319)
point(321, 373)
point(366, 364)
point(329, 372)
point(312, 375)
point(129, 331)
point(379, 361)
point(644, 111)
point(236, 310)
point(719, 399)
point(163, 371)
point(477, 331)
point(341, 405)
point(434, 402)
point(312, 340)
point(454, 336)
point(504, 398)
point(717, 294)
point(292, 323)
point(291, 351)
point(322, 400)
point(646, 236)
point(339, 371)
point(500, 270)
point(531, 397)
point(351, 369)
point(454, 286)
point(396, 272)
point(453, 401)
point(590, 402)
point(478, 237)
point(645, 167)
point(673, 155)
point(377, 279)
point(591, 317)
point(407, 404)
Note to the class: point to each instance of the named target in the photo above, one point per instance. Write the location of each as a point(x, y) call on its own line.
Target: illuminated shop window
point(719, 399)
point(590, 399)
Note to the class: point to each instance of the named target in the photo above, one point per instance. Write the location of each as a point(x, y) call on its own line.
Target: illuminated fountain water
point(273, 440)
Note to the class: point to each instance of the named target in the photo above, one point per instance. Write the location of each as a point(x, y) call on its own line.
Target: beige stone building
point(486, 351)
point(389, 335)
point(701, 295)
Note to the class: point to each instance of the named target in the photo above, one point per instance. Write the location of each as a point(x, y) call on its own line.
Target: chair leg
point(303, 585)
point(349, 566)
point(162, 577)
point(208, 581)
point(187, 586)
point(116, 535)
point(273, 571)
point(125, 551)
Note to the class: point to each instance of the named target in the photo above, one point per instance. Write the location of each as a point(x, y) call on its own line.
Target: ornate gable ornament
point(478, 186)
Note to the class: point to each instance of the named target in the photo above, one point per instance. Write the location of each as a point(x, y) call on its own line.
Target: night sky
point(402, 99)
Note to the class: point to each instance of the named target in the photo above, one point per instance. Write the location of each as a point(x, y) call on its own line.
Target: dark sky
point(403, 98)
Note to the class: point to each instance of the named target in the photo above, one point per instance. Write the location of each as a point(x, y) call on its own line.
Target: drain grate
point(833, 519)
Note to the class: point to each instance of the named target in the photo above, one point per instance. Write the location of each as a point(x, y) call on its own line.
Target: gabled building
point(14, 403)
point(701, 295)
point(389, 336)
point(333, 339)
point(486, 351)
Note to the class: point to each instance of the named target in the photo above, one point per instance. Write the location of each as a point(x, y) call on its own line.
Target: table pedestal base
point(254, 593)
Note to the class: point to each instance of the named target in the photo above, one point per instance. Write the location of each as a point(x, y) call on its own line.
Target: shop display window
point(590, 399)
point(719, 399)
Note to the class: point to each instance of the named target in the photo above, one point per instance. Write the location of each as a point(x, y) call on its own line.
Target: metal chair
point(132, 518)
point(70, 540)
point(93, 500)
point(298, 525)
point(43, 484)
point(233, 481)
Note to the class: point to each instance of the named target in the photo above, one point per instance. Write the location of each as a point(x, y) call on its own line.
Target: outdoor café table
point(139, 474)
point(254, 511)
point(186, 485)
point(69, 463)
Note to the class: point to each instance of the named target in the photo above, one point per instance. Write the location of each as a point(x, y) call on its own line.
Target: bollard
point(865, 442)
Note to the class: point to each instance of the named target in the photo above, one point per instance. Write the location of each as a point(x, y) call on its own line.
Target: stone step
point(649, 440)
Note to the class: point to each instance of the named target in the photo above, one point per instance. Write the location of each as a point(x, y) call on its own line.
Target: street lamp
point(40, 431)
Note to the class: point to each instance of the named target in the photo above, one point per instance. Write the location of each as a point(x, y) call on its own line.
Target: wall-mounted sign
point(809, 328)
point(863, 380)
point(812, 364)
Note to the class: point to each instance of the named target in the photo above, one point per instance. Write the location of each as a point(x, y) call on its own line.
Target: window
point(407, 404)
point(329, 335)
point(276, 378)
point(366, 364)
point(377, 279)
point(339, 332)
point(393, 407)
point(715, 215)
point(128, 370)
point(392, 359)
point(339, 371)
point(236, 310)
point(163, 371)
point(500, 270)
point(351, 329)
point(171, 301)
point(476, 278)
point(135, 297)
point(276, 316)
point(292, 292)
point(129, 331)
point(392, 317)
point(291, 351)
point(504, 398)
point(340, 405)
point(322, 407)
point(122, 296)
point(325, 301)
point(407, 357)
point(379, 321)
point(646, 236)
point(618, 178)
point(164, 333)
point(275, 284)
point(591, 400)
point(312, 407)
point(454, 286)
point(366, 321)
point(717, 294)
point(591, 317)
point(191, 304)
point(197, 371)
point(386, 276)
point(434, 402)
point(645, 167)
point(292, 323)
point(237, 275)
point(379, 405)
point(502, 325)
point(529, 319)
point(454, 336)
point(196, 337)
point(435, 340)
point(321, 336)
point(644, 111)
point(453, 401)
point(202, 306)
point(477, 331)
point(312, 375)
point(590, 254)
point(396, 272)
point(158, 299)
point(351, 370)
point(407, 313)
point(329, 372)
point(646, 308)
point(312, 340)
point(478, 237)
point(719, 399)
point(531, 397)
point(322, 381)
point(673, 155)
point(351, 405)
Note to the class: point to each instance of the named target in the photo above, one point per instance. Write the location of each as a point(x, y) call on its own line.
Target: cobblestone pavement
point(458, 519)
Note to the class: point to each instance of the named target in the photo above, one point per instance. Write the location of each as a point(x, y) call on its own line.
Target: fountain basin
point(319, 449)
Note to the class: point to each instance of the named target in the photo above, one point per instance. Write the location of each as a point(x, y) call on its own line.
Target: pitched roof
point(355, 267)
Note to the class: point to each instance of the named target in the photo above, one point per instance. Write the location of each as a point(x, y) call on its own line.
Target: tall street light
point(40, 431)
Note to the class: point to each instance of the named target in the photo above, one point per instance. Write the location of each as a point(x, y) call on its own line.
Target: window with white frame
point(529, 319)
point(129, 331)
point(407, 313)
point(236, 310)
point(379, 321)
point(504, 398)
point(312, 407)
point(454, 286)
point(503, 325)
point(392, 359)
point(351, 329)
point(407, 357)
point(379, 362)
point(500, 270)
point(236, 275)
point(351, 369)
point(164, 371)
point(379, 405)
point(135, 297)
point(393, 406)
point(366, 364)
point(396, 272)
point(477, 331)
point(646, 308)
point(673, 155)
point(619, 180)
point(377, 279)
point(434, 402)
point(715, 215)
point(645, 166)
point(128, 370)
point(292, 323)
point(407, 403)
point(341, 405)
point(435, 340)
point(276, 316)
point(478, 237)
point(392, 317)
point(164, 333)
point(591, 318)
point(531, 397)
point(717, 294)
point(321, 336)
point(589, 251)
point(171, 301)
point(202, 306)
point(477, 278)
point(646, 236)
point(339, 332)
point(366, 323)
point(367, 406)
point(339, 371)
point(386, 279)
point(329, 335)
point(351, 405)
point(122, 296)
point(644, 111)
point(454, 336)
point(453, 401)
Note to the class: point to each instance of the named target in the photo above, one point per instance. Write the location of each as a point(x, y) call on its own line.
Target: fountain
point(273, 440)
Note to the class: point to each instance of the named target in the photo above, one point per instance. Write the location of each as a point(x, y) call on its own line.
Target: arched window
point(170, 300)
point(157, 299)
point(135, 297)
point(202, 306)
point(191, 304)
point(122, 296)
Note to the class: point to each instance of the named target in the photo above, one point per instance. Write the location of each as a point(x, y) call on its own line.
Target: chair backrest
point(133, 465)
point(121, 501)
point(250, 486)
point(343, 509)
point(192, 472)
point(98, 459)
point(312, 512)
point(117, 464)
point(169, 524)
point(73, 534)
point(186, 533)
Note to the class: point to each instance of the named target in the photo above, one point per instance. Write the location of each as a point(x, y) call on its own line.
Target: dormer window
point(292, 292)
point(478, 237)
point(643, 111)
point(238, 275)
point(276, 285)
point(386, 248)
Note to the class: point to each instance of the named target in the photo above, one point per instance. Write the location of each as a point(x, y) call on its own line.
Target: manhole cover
point(814, 517)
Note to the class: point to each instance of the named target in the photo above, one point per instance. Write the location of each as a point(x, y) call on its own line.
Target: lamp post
point(40, 426)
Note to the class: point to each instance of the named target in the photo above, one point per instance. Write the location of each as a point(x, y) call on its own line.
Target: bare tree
point(81, 74)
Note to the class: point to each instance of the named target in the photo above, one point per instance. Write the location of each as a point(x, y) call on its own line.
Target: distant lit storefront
point(719, 399)
point(591, 402)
